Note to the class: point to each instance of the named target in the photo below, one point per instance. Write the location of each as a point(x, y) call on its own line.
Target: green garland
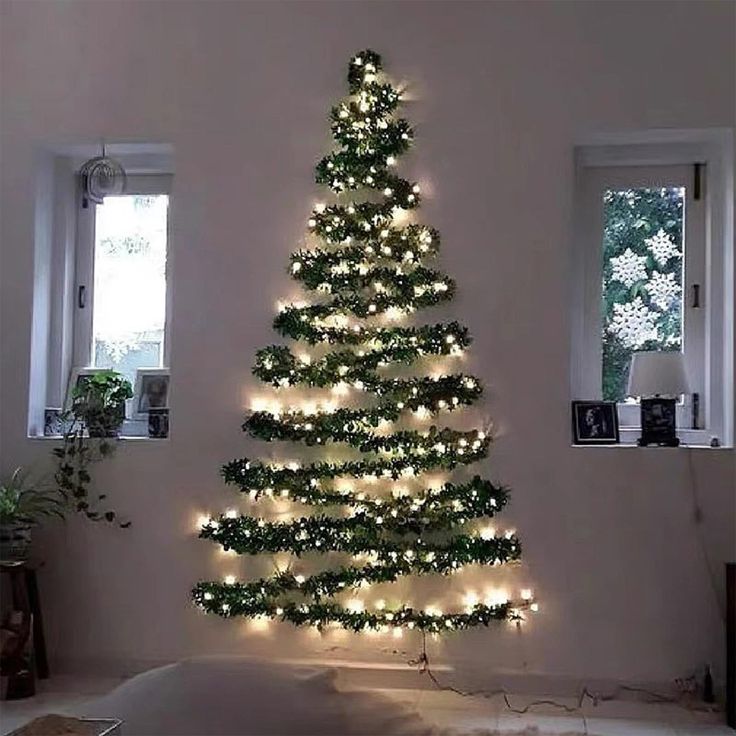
point(364, 268)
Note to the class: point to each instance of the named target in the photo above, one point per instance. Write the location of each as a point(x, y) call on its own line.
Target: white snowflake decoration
point(662, 247)
point(633, 323)
point(628, 268)
point(663, 289)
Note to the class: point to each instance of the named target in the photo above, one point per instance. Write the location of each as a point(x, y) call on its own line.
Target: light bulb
point(230, 580)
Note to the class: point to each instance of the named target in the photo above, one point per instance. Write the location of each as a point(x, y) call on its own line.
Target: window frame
point(594, 182)
point(82, 327)
point(713, 151)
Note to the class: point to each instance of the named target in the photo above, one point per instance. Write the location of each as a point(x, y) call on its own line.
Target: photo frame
point(151, 391)
point(595, 423)
point(76, 377)
point(658, 422)
point(158, 424)
point(53, 425)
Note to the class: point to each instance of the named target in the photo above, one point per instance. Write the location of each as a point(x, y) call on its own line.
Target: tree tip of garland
point(363, 68)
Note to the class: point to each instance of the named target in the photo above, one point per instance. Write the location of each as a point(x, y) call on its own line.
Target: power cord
point(584, 695)
point(697, 512)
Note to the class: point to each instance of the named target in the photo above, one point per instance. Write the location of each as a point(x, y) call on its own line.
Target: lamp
point(658, 378)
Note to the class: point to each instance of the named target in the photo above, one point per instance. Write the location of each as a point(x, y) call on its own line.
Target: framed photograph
point(52, 423)
point(158, 424)
point(658, 422)
point(151, 391)
point(76, 379)
point(594, 423)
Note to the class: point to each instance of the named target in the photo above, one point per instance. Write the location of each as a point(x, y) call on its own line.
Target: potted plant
point(23, 505)
point(99, 402)
point(98, 405)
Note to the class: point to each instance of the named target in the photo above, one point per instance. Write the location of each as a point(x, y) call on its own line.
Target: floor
point(444, 709)
point(616, 718)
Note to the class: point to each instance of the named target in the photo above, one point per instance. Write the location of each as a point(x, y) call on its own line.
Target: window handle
point(696, 296)
point(82, 296)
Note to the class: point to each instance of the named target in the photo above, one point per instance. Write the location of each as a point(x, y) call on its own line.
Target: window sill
point(132, 429)
point(124, 438)
point(689, 438)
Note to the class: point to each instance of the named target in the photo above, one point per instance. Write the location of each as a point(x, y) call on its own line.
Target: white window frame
point(58, 238)
point(84, 270)
point(708, 237)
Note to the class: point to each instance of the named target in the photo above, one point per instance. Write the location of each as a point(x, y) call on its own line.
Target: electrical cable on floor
point(585, 694)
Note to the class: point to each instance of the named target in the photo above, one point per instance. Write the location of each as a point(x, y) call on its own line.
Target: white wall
point(502, 93)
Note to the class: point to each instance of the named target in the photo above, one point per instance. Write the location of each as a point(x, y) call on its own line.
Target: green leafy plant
point(98, 405)
point(25, 503)
point(99, 401)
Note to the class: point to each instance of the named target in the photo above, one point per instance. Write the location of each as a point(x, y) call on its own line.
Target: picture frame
point(595, 423)
point(76, 377)
point(658, 422)
point(158, 424)
point(53, 425)
point(151, 391)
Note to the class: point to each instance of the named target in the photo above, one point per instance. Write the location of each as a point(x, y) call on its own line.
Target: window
point(100, 291)
point(121, 279)
point(647, 233)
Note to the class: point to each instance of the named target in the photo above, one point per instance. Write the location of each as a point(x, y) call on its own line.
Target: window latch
point(82, 296)
point(696, 296)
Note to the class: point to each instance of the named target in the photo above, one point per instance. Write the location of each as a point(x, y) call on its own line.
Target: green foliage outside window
point(642, 278)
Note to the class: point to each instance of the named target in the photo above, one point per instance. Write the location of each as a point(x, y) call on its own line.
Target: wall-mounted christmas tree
point(373, 509)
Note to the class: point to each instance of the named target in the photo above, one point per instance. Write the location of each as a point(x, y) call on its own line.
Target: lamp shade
point(657, 373)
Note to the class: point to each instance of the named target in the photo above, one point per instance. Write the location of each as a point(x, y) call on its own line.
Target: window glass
point(129, 309)
point(643, 264)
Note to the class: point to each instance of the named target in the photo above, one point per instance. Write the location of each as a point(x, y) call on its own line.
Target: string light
point(368, 271)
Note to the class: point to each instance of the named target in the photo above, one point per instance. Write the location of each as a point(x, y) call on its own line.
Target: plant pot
point(15, 542)
point(105, 423)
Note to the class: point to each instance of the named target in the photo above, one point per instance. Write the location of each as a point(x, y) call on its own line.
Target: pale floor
point(618, 718)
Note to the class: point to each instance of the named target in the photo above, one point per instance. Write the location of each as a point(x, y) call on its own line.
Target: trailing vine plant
point(90, 434)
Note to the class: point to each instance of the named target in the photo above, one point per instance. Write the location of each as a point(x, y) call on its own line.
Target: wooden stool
point(24, 589)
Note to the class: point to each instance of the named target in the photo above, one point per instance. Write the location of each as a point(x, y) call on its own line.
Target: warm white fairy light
point(391, 301)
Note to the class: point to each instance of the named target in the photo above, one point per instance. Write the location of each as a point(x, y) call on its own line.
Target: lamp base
point(642, 442)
